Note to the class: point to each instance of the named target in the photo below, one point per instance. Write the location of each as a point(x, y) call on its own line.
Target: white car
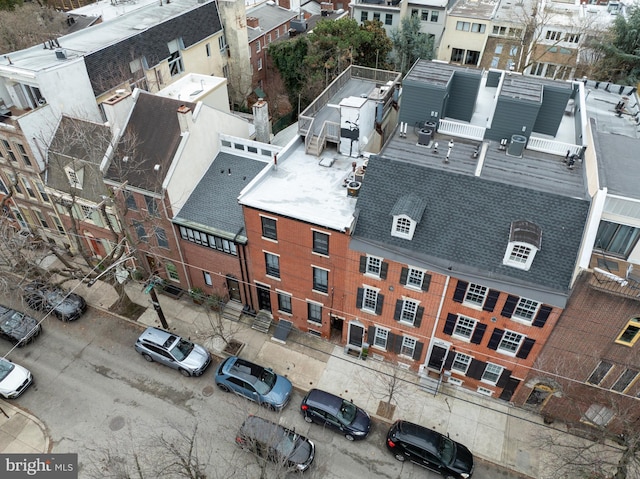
point(14, 379)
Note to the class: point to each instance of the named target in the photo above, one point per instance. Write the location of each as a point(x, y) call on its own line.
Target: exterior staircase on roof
point(262, 321)
point(232, 311)
point(315, 147)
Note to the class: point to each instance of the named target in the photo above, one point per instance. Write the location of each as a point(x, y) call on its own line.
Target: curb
point(19, 410)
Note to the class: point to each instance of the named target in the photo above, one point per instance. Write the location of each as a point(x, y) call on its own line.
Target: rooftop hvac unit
point(425, 135)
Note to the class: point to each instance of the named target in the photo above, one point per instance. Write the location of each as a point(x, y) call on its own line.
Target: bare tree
point(389, 386)
point(29, 24)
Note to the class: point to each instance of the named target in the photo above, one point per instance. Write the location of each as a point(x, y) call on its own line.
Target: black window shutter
point(371, 334)
point(495, 338)
point(542, 316)
point(398, 311)
point(450, 324)
point(451, 355)
point(476, 368)
point(363, 264)
point(390, 341)
point(383, 270)
point(426, 282)
point(504, 377)
point(379, 304)
point(397, 344)
point(404, 274)
point(359, 297)
point(478, 333)
point(418, 351)
point(419, 314)
point(461, 290)
point(491, 300)
point(509, 306)
point(525, 349)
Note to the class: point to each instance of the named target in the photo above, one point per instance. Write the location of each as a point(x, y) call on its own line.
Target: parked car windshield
point(265, 382)
point(5, 368)
point(288, 443)
point(182, 349)
point(447, 450)
point(347, 412)
point(14, 320)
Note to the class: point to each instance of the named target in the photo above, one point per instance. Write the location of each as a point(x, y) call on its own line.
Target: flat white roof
point(192, 87)
point(96, 37)
point(299, 187)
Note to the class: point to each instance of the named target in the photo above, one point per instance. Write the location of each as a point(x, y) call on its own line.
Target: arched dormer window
point(525, 240)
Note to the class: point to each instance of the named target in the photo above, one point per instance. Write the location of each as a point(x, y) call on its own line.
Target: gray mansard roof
point(464, 230)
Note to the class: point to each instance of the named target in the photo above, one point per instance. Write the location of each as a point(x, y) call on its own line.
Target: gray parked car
point(171, 350)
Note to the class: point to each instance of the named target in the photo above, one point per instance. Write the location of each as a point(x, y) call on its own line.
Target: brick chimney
point(253, 22)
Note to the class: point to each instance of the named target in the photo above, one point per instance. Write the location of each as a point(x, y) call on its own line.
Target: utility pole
point(151, 290)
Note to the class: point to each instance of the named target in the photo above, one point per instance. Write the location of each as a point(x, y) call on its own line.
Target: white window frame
point(75, 177)
point(492, 370)
point(519, 255)
point(382, 335)
point(507, 338)
point(370, 296)
point(462, 359)
point(464, 323)
point(409, 311)
point(475, 290)
point(598, 414)
point(374, 266)
point(526, 305)
point(412, 278)
point(259, 64)
point(403, 227)
point(408, 344)
point(207, 278)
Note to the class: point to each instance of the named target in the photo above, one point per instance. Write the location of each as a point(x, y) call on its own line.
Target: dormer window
point(75, 177)
point(525, 239)
point(407, 213)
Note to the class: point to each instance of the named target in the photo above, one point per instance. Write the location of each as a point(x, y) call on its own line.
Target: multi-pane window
point(161, 237)
point(314, 312)
point(24, 154)
point(520, 254)
point(457, 55)
point(212, 241)
point(472, 57)
point(415, 277)
point(424, 15)
point(476, 294)
point(259, 64)
point(599, 415)
point(478, 27)
point(364, 16)
point(491, 373)
point(599, 373)
point(58, 224)
point(499, 30)
point(414, 12)
point(374, 265)
point(7, 147)
point(222, 44)
point(515, 32)
point(616, 238)
point(553, 35)
point(152, 205)
point(434, 15)
point(370, 299)
point(207, 278)
point(272, 262)
point(631, 333)
point(284, 302)
point(463, 26)
point(41, 219)
point(43, 193)
point(381, 337)
point(175, 63)
point(526, 309)
point(258, 46)
point(320, 243)
point(388, 19)
point(409, 309)
point(625, 380)
point(510, 342)
point(464, 327)
point(29, 188)
point(376, 16)
point(140, 232)
point(403, 226)
point(269, 228)
point(87, 212)
point(408, 347)
point(572, 37)
point(461, 363)
point(172, 271)
point(320, 280)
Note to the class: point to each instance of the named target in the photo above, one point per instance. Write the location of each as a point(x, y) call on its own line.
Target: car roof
point(419, 435)
point(324, 400)
point(158, 336)
point(262, 429)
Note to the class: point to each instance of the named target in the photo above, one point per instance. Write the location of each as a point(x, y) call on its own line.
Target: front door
point(233, 286)
point(264, 298)
point(356, 334)
point(437, 355)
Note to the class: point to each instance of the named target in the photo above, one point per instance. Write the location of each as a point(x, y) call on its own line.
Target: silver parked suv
point(171, 350)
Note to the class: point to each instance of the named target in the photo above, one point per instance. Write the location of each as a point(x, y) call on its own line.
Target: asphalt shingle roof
point(465, 227)
point(214, 202)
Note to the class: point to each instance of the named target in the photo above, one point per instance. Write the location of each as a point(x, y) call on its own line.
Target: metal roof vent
point(61, 54)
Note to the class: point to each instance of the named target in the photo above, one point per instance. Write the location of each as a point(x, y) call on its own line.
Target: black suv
point(43, 296)
point(276, 443)
point(17, 327)
point(330, 410)
point(430, 449)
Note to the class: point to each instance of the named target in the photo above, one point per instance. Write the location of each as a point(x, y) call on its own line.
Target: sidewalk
point(494, 431)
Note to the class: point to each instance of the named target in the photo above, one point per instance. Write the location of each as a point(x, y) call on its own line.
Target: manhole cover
point(116, 423)
point(207, 391)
